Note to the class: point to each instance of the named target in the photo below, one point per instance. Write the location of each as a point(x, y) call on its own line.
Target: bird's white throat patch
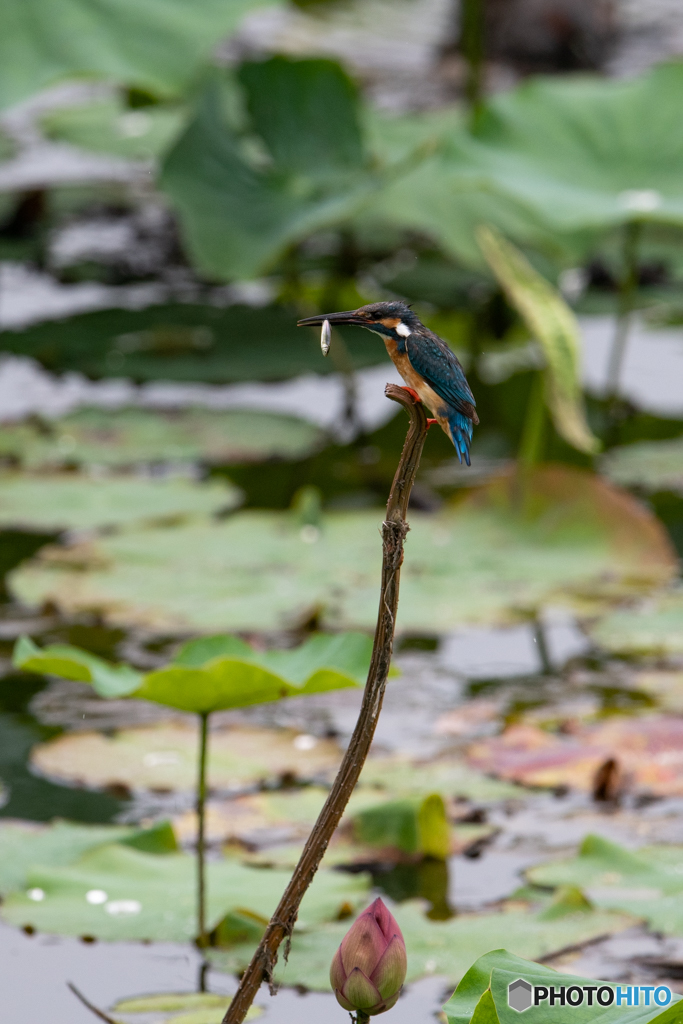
point(403, 330)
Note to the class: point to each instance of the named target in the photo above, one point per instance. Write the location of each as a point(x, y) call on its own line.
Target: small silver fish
point(325, 337)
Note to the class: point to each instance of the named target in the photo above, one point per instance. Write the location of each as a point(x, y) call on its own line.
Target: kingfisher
point(427, 364)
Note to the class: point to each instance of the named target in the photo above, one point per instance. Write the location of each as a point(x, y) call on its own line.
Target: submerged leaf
point(554, 326)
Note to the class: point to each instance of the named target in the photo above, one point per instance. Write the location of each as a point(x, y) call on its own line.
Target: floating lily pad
point(165, 757)
point(182, 1007)
point(186, 342)
point(647, 884)
point(656, 628)
point(67, 501)
point(153, 897)
point(23, 844)
point(645, 752)
point(435, 947)
point(651, 465)
point(578, 540)
point(129, 437)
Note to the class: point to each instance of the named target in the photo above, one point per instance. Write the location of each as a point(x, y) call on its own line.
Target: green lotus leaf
point(157, 46)
point(238, 215)
point(482, 996)
point(225, 683)
point(73, 663)
point(434, 947)
point(191, 342)
point(650, 465)
point(578, 541)
point(109, 126)
point(647, 884)
point(152, 897)
point(24, 844)
point(656, 628)
point(585, 154)
point(128, 437)
point(61, 502)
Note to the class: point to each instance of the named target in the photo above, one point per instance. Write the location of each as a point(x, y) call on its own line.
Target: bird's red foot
point(411, 391)
point(430, 422)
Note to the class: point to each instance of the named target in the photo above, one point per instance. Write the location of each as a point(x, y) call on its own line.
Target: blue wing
point(435, 362)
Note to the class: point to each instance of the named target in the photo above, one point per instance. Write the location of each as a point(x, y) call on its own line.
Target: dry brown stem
point(394, 530)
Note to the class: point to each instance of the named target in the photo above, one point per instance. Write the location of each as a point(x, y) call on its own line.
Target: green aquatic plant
point(207, 675)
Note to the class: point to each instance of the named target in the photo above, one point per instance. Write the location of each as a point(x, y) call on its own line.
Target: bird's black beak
point(351, 317)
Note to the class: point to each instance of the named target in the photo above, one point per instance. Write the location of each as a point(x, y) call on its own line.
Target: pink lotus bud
point(369, 968)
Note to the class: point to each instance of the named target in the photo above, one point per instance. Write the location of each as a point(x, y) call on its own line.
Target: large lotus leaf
point(186, 342)
point(74, 663)
point(577, 540)
point(554, 326)
point(482, 997)
point(214, 673)
point(436, 947)
point(153, 897)
point(306, 112)
point(109, 126)
point(442, 197)
point(128, 437)
point(158, 45)
point(24, 844)
point(650, 465)
point(656, 628)
point(585, 154)
point(647, 884)
point(165, 758)
point(61, 502)
point(239, 215)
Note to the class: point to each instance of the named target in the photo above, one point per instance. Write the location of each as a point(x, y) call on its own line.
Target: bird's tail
point(461, 434)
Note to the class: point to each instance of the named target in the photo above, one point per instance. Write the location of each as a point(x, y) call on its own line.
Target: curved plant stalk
point(628, 285)
point(394, 530)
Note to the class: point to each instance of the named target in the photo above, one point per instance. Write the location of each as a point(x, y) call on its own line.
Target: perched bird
point(426, 363)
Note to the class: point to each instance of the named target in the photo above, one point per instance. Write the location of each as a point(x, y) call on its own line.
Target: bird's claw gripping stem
point(431, 422)
point(412, 392)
